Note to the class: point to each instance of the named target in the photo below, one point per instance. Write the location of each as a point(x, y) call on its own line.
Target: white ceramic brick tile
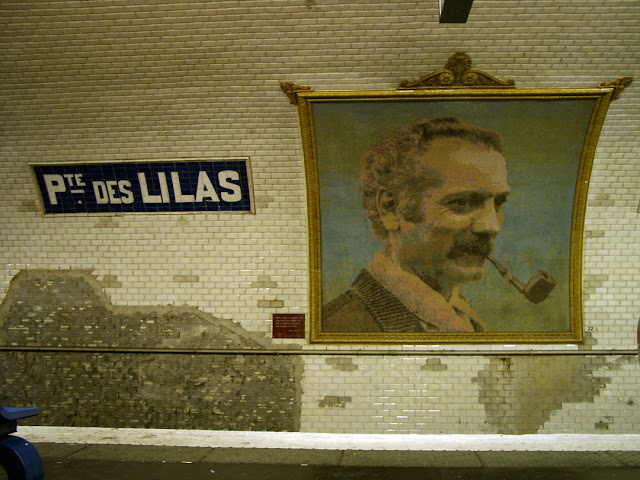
point(201, 79)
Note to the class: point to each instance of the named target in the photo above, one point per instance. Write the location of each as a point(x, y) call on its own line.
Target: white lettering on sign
point(74, 177)
point(177, 190)
point(125, 189)
point(146, 198)
point(205, 188)
point(223, 178)
point(113, 198)
point(106, 193)
point(164, 189)
point(100, 192)
point(55, 184)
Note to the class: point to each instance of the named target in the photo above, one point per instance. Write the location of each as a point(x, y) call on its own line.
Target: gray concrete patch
point(333, 401)
point(69, 309)
point(58, 450)
point(397, 458)
point(519, 399)
point(547, 459)
point(141, 453)
point(631, 459)
point(434, 365)
point(280, 456)
point(344, 364)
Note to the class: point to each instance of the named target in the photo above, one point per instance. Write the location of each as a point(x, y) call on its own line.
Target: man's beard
point(479, 245)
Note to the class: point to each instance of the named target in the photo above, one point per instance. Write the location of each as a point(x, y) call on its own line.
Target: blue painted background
point(543, 146)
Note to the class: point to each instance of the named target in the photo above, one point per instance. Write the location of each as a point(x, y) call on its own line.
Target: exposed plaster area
point(521, 393)
point(67, 308)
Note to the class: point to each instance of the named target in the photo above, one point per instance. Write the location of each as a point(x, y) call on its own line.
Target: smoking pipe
point(537, 288)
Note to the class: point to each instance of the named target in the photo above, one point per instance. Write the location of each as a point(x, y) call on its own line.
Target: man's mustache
point(477, 246)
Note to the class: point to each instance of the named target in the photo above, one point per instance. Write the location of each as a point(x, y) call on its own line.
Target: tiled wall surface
point(501, 394)
point(87, 81)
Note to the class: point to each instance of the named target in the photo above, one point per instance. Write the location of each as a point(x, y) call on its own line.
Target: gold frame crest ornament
point(550, 137)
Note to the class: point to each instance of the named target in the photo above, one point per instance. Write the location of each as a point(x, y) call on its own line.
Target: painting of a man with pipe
point(448, 217)
point(434, 193)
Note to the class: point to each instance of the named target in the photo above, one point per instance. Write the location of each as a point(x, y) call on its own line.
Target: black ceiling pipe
point(454, 11)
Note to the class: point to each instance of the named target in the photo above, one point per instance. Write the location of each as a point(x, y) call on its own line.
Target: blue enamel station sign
point(145, 187)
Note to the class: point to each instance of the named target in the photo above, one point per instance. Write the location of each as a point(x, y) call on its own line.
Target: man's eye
point(500, 200)
point(463, 204)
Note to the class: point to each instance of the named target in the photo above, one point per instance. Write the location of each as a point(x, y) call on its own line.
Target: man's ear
point(388, 209)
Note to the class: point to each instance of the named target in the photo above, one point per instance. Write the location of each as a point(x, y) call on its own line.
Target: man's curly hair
point(393, 163)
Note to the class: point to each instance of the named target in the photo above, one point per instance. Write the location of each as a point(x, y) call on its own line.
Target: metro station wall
point(105, 296)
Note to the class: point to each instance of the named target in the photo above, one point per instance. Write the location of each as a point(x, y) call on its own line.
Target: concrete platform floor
point(106, 470)
point(140, 454)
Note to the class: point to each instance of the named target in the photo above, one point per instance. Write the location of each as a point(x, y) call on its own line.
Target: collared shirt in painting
point(385, 298)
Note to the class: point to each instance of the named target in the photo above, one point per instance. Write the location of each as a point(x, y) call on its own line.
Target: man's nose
point(487, 220)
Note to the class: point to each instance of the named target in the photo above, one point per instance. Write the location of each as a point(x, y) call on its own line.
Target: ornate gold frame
point(457, 81)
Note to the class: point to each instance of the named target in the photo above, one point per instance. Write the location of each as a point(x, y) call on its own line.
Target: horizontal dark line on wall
point(255, 351)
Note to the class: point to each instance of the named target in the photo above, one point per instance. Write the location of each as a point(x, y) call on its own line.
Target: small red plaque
point(288, 325)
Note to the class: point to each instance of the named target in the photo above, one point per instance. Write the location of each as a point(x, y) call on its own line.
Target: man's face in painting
point(461, 211)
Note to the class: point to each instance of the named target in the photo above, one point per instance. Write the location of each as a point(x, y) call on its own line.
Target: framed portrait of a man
point(448, 215)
